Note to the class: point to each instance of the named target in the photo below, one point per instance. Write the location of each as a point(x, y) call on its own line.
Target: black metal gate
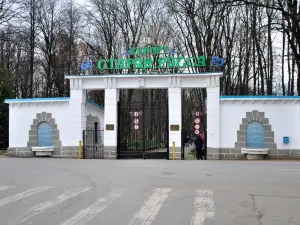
point(93, 144)
point(143, 130)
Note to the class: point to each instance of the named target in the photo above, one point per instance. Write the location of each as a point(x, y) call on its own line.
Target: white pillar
point(77, 116)
point(110, 118)
point(175, 117)
point(213, 122)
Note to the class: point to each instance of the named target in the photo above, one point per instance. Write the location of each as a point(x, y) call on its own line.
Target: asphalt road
point(41, 191)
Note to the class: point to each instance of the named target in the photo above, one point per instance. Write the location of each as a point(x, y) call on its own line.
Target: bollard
point(173, 150)
point(79, 150)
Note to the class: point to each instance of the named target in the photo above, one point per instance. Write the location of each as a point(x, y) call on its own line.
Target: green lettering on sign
point(148, 63)
point(138, 63)
point(104, 66)
point(164, 60)
point(161, 62)
point(129, 63)
point(121, 64)
point(171, 63)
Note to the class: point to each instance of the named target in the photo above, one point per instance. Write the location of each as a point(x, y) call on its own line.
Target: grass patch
point(142, 144)
point(189, 157)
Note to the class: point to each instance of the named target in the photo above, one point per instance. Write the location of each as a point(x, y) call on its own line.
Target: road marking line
point(203, 206)
point(289, 170)
point(89, 213)
point(44, 206)
point(3, 188)
point(22, 195)
point(151, 207)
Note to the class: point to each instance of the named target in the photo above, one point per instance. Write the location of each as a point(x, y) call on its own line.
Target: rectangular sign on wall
point(110, 127)
point(174, 127)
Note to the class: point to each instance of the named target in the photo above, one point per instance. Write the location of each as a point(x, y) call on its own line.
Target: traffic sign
point(197, 120)
point(197, 113)
point(136, 114)
point(136, 127)
point(136, 121)
point(197, 126)
point(197, 131)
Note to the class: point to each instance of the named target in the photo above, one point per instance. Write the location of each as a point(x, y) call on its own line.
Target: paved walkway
point(49, 191)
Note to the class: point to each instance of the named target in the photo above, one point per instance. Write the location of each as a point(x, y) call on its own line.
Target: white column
point(174, 116)
point(213, 119)
point(110, 117)
point(77, 116)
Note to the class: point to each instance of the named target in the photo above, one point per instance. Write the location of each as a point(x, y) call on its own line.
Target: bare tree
point(291, 26)
point(49, 24)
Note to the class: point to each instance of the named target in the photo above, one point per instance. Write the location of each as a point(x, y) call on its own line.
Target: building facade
point(234, 124)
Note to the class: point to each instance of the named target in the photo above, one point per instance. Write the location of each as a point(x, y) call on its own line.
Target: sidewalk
point(2, 153)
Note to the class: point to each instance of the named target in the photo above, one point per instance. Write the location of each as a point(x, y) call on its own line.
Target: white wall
point(110, 116)
point(283, 114)
point(130, 81)
point(213, 117)
point(76, 117)
point(95, 111)
point(21, 117)
point(175, 116)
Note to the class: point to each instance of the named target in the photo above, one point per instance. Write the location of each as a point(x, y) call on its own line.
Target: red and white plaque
point(197, 120)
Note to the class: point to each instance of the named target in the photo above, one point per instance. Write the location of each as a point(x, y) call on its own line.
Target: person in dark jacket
point(199, 145)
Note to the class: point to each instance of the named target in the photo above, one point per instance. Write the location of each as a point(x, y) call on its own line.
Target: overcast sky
point(81, 1)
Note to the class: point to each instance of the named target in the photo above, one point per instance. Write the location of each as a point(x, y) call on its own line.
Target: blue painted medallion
point(44, 134)
point(255, 135)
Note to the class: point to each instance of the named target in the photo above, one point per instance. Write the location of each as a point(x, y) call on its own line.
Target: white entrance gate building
point(79, 84)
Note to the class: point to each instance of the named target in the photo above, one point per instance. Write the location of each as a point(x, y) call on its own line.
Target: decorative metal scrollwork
point(86, 65)
point(216, 61)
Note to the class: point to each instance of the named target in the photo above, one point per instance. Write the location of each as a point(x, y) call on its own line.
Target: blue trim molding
point(15, 100)
point(19, 100)
point(258, 96)
point(95, 104)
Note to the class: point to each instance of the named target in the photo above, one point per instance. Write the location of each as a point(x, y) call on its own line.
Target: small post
point(173, 150)
point(79, 150)
point(168, 153)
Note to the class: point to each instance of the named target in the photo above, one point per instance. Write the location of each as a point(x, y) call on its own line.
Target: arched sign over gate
point(137, 68)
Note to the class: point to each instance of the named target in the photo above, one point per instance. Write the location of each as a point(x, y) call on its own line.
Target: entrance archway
point(79, 84)
point(194, 120)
